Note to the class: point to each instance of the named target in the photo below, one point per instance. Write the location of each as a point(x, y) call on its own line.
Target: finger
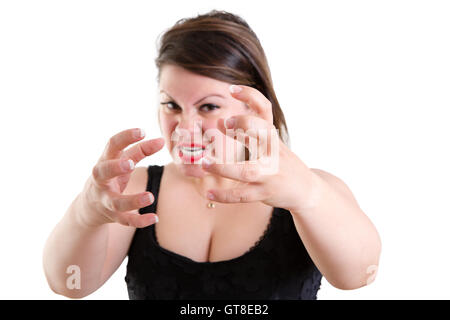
point(237, 195)
point(143, 149)
point(136, 220)
point(106, 170)
point(216, 134)
point(255, 147)
point(122, 203)
point(253, 126)
point(254, 99)
point(244, 171)
point(120, 141)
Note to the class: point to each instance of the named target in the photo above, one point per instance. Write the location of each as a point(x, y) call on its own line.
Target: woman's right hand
point(102, 197)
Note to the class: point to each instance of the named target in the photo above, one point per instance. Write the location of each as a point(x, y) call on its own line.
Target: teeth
point(192, 151)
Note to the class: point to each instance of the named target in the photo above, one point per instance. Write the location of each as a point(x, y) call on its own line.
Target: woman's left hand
point(273, 175)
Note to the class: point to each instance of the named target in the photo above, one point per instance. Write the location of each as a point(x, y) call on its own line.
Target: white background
point(364, 85)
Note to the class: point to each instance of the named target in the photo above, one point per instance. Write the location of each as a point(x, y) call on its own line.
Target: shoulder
point(326, 175)
point(140, 176)
point(335, 182)
point(137, 182)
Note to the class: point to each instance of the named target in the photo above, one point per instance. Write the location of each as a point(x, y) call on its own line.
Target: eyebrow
point(211, 95)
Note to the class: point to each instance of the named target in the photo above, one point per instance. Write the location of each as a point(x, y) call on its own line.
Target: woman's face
point(190, 107)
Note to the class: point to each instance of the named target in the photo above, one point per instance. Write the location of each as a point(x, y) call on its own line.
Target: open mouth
point(191, 153)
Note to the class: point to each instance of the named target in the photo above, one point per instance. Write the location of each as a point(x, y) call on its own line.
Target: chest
point(189, 228)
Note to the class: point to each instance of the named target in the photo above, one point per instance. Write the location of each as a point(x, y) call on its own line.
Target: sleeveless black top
point(276, 267)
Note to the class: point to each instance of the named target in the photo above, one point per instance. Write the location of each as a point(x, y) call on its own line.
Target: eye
point(170, 105)
point(210, 107)
point(174, 107)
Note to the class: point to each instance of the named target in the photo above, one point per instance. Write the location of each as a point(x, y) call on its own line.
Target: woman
point(239, 214)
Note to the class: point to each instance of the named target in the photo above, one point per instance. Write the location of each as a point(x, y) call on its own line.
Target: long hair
point(222, 46)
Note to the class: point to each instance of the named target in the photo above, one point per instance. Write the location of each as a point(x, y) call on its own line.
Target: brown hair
point(222, 46)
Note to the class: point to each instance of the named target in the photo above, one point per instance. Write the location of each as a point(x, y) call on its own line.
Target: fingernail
point(235, 89)
point(156, 219)
point(127, 165)
point(139, 133)
point(147, 198)
point(210, 196)
point(230, 123)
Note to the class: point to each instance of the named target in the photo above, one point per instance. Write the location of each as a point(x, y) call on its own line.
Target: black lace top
point(276, 267)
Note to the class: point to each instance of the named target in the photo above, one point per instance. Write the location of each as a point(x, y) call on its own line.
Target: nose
point(189, 129)
point(190, 123)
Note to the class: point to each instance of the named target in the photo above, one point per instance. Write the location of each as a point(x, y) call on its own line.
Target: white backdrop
point(364, 85)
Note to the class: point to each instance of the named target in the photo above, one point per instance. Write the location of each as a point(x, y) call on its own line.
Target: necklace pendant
point(211, 205)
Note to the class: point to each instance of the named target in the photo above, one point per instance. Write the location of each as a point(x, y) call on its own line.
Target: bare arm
point(339, 237)
point(96, 230)
point(72, 243)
